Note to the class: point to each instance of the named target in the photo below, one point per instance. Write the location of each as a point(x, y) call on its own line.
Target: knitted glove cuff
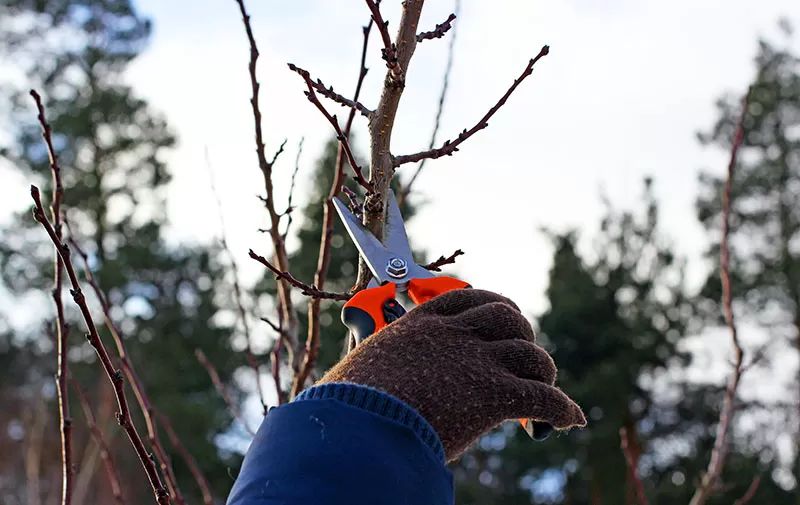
point(379, 403)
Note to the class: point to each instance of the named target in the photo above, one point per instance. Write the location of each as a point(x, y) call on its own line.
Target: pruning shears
point(394, 270)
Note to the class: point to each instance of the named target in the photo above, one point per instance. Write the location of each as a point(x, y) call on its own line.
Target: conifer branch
point(709, 482)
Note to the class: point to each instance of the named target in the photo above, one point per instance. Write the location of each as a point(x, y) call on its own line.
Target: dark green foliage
point(111, 146)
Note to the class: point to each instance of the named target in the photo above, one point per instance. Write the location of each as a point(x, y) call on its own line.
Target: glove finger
point(496, 321)
point(458, 300)
point(525, 399)
point(524, 359)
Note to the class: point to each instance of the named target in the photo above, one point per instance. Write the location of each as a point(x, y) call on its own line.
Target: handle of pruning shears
point(369, 310)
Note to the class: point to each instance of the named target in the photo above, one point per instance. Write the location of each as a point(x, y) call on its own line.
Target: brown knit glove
point(466, 361)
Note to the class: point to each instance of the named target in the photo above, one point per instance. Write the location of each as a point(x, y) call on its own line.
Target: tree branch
point(105, 454)
point(114, 376)
point(289, 207)
point(437, 265)
point(329, 93)
point(439, 31)
point(389, 52)
point(720, 450)
point(750, 493)
point(629, 448)
point(449, 147)
point(62, 332)
point(191, 463)
point(304, 288)
point(285, 305)
point(328, 219)
point(220, 387)
point(340, 136)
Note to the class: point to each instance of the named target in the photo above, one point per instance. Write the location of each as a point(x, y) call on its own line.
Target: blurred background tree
point(111, 145)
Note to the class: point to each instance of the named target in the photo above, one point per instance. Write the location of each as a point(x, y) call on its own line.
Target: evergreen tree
point(765, 214)
point(111, 146)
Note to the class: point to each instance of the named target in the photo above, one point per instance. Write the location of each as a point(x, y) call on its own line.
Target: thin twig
point(750, 493)
point(191, 463)
point(719, 452)
point(220, 387)
point(105, 453)
point(114, 375)
point(389, 50)
point(304, 288)
point(439, 31)
point(142, 399)
point(238, 297)
point(628, 445)
point(449, 147)
point(406, 188)
point(326, 234)
point(65, 420)
point(328, 92)
point(437, 265)
point(285, 305)
point(289, 212)
point(340, 136)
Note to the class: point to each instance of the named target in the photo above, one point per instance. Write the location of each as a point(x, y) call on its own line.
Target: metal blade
point(396, 237)
point(372, 250)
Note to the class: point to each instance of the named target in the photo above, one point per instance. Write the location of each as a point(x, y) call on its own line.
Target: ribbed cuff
point(379, 403)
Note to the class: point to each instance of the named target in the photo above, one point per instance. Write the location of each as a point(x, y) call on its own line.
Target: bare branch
point(191, 463)
point(406, 188)
point(437, 265)
point(720, 450)
point(65, 420)
point(328, 92)
point(278, 153)
point(629, 448)
point(748, 495)
point(340, 136)
point(439, 31)
point(389, 51)
point(285, 305)
point(237, 289)
point(289, 206)
point(105, 454)
point(304, 288)
point(449, 147)
point(142, 398)
point(328, 213)
point(220, 387)
point(114, 375)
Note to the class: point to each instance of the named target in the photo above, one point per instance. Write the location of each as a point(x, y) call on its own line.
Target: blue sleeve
point(344, 444)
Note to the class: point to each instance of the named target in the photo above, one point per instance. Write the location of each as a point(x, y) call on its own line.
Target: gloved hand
point(466, 361)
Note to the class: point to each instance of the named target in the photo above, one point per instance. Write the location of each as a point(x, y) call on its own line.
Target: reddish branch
point(328, 219)
point(439, 31)
point(630, 449)
point(328, 92)
point(191, 463)
point(304, 288)
point(719, 452)
point(389, 51)
point(114, 375)
point(65, 420)
point(237, 289)
point(130, 374)
point(213, 374)
point(750, 493)
point(289, 207)
point(340, 136)
point(97, 434)
point(285, 305)
point(449, 147)
point(437, 265)
point(406, 189)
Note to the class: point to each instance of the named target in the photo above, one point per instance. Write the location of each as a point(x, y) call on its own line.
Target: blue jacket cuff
point(379, 403)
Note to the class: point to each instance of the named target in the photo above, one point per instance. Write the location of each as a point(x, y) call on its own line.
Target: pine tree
point(111, 146)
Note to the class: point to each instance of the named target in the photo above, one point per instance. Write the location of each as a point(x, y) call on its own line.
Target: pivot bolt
point(396, 268)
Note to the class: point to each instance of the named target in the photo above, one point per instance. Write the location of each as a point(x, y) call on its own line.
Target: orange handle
point(369, 310)
point(422, 290)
